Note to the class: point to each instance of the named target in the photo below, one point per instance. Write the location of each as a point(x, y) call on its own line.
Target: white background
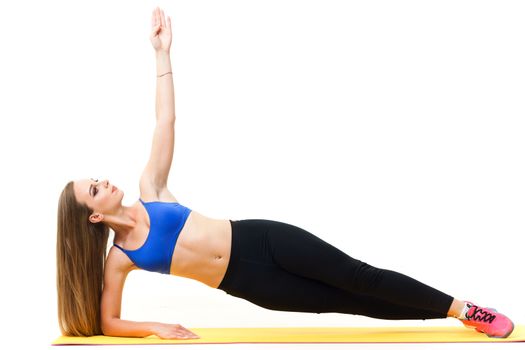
point(393, 130)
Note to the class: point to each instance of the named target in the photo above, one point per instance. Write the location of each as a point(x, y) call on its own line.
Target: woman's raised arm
point(158, 167)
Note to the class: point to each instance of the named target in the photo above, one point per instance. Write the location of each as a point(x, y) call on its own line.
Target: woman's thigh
point(303, 253)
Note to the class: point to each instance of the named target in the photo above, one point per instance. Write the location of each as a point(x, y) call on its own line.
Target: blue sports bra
point(166, 221)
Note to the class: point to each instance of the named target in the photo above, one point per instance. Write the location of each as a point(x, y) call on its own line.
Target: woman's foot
point(486, 320)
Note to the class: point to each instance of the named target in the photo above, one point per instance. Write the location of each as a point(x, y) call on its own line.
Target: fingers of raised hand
point(155, 17)
point(158, 17)
point(162, 19)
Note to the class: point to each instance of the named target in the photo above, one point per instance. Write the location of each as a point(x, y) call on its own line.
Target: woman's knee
point(365, 278)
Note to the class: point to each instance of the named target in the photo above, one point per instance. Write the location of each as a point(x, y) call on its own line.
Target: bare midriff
point(203, 249)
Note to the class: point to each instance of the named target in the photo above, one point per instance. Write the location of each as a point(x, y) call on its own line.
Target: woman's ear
point(96, 218)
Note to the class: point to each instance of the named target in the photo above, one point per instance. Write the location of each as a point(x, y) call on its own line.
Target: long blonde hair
point(81, 254)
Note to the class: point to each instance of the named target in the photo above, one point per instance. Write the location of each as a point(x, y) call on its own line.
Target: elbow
point(106, 327)
point(105, 330)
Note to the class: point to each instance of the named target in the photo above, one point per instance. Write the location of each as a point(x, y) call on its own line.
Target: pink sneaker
point(488, 321)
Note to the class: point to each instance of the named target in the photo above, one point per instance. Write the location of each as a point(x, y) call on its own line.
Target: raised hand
point(161, 31)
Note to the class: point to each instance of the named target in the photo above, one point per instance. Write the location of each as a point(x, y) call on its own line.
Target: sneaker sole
point(505, 335)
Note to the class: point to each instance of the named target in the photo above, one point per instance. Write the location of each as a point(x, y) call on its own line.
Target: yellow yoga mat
point(313, 335)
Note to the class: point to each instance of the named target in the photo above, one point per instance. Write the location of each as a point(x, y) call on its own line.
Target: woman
point(272, 264)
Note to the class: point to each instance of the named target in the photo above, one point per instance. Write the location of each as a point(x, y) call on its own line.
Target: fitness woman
point(272, 264)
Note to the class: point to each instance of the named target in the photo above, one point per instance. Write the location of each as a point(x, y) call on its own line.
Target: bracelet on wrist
point(158, 76)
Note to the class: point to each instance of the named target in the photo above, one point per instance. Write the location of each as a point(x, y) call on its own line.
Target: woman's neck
point(123, 222)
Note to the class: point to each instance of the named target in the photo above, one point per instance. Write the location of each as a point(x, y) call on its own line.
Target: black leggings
point(282, 267)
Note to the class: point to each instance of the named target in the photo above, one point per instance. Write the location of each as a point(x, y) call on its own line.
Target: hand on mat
point(173, 331)
point(161, 31)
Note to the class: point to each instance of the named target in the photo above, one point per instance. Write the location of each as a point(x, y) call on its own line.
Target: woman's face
point(100, 196)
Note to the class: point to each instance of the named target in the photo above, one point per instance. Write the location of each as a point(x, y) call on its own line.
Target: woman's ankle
point(456, 308)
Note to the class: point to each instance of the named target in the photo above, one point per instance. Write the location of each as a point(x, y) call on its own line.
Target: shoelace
point(476, 313)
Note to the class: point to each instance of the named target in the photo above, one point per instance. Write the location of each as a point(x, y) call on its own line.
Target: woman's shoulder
point(117, 260)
